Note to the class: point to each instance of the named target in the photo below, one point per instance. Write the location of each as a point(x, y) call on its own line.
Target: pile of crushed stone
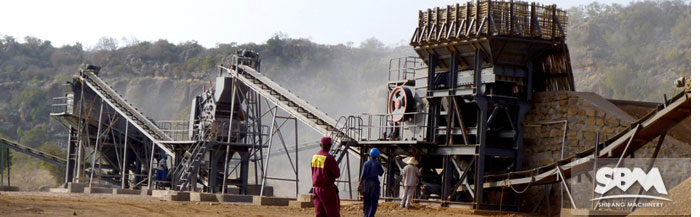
point(680, 195)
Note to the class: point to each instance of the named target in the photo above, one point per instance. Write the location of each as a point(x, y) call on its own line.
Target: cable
point(513, 188)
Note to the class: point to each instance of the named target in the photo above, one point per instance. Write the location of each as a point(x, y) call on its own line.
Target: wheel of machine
point(400, 102)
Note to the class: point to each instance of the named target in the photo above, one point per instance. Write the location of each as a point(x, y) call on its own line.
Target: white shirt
point(410, 175)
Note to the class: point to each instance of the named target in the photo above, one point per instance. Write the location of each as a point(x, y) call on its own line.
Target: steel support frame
point(276, 130)
point(482, 103)
point(80, 137)
point(255, 115)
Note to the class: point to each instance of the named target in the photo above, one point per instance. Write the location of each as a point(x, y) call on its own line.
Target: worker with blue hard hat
point(369, 182)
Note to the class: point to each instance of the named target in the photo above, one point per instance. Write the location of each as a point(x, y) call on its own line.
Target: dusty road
point(59, 204)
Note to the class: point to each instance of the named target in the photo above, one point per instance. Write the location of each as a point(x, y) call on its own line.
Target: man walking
point(324, 171)
point(410, 181)
point(371, 171)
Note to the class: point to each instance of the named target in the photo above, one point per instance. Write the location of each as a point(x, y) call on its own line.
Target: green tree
point(34, 137)
point(57, 172)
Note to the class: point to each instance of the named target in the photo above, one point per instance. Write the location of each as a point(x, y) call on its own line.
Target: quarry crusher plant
point(488, 107)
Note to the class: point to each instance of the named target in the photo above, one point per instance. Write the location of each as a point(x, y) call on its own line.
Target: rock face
point(575, 118)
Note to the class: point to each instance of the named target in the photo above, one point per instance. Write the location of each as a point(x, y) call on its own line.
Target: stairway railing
point(183, 173)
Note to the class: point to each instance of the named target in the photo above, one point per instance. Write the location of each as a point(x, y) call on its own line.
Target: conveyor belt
point(292, 104)
point(120, 105)
point(641, 132)
point(33, 152)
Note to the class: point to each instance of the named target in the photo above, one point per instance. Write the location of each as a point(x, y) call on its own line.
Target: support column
point(434, 108)
point(2, 166)
point(389, 192)
point(214, 157)
point(454, 64)
point(230, 128)
point(296, 155)
point(528, 88)
point(97, 144)
point(9, 165)
point(150, 165)
point(225, 178)
point(522, 110)
point(81, 128)
point(78, 159)
point(363, 159)
point(432, 64)
point(349, 180)
point(245, 160)
point(447, 182)
point(477, 72)
point(481, 160)
point(194, 176)
point(269, 150)
point(70, 150)
point(124, 171)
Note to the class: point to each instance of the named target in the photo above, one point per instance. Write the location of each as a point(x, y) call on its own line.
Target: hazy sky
point(216, 21)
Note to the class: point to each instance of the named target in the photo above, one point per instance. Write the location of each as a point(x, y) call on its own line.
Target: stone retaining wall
point(584, 114)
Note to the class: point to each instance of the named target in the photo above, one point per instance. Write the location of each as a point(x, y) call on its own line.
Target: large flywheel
point(400, 102)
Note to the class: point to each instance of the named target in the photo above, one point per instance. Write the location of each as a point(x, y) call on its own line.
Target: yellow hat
point(412, 161)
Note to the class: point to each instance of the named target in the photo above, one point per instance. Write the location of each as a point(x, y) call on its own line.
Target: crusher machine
point(223, 124)
point(459, 106)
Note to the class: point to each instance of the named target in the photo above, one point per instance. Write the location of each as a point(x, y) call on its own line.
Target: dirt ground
point(61, 204)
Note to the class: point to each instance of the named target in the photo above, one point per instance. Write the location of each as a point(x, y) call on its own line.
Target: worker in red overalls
point(324, 170)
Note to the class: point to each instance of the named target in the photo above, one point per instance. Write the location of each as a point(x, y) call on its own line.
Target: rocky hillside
point(633, 52)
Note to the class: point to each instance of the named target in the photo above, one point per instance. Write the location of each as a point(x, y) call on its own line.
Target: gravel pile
point(680, 195)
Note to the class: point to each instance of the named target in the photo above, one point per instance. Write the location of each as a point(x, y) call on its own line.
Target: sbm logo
point(623, 178)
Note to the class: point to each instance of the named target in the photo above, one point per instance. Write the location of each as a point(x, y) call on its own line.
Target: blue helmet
point(374, 152)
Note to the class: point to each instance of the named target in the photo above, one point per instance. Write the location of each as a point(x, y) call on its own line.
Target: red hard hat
point(326, 141)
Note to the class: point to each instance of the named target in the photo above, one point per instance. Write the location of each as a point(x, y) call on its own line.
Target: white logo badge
point(623, 178)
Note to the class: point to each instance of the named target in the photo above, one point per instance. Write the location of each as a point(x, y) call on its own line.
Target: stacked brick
point(544, 125)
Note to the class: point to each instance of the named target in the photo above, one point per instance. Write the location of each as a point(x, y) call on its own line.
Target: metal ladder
point(190, 160)
point(119, 104)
